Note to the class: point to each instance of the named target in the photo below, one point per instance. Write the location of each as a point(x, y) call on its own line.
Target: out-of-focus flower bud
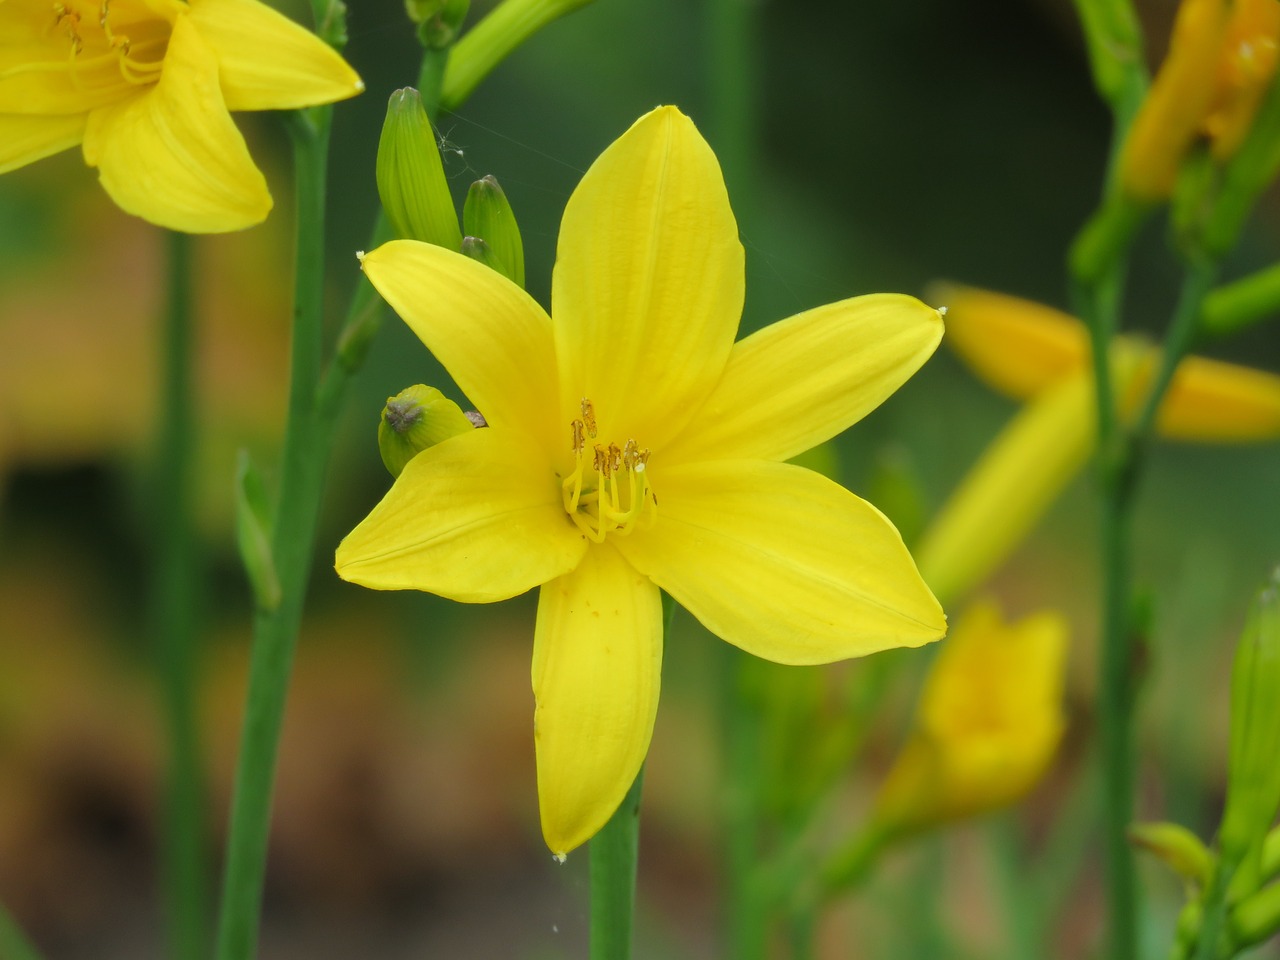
point(1253, 771)
point(1177, 847)
point(487, 215)
point(988, 722)
point(1255, 919)
point(415, 419)
point(439, 21)
point(411, 181)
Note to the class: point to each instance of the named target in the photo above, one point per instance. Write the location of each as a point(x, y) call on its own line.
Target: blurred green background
point(892, 143)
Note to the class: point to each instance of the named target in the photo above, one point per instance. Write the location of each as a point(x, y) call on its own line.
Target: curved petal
point(801, 381)
point(476, 518)
point(1006, 492)
point(1017, 347)
point(597, 663)
point(1214, 402)
point(648, 283)
point(783, 562)
point(491, 336)
point(268, 62)
point(25, 139)
point(172, 155)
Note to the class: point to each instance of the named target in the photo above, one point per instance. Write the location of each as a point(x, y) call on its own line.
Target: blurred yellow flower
point(1221, 58)
point(145, 86)
point(633, 445)
point(987, 725)
point(1031, 352)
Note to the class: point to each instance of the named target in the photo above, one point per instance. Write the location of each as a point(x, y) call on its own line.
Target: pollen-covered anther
point(611, 494)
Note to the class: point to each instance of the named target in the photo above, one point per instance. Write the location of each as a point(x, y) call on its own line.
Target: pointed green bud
point(487, 215)
point(1253, 773)
point(477, 249)
point(411, 182)
point(1177, 847)
point(415, 419)
point(254, 523)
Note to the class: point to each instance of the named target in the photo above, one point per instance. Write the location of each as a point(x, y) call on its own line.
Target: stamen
point(612, 495)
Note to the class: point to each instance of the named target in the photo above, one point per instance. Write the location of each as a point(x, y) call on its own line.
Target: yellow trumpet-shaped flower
point(145, 87)
point(632, 445)
point(1221, 57)
point(987, 724)
point(1034, 353)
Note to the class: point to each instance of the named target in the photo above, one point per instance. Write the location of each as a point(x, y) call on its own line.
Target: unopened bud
point(487, 215)
point(1253, 773)
point(415, 419)
point(1177, 847)
point(439, 21)
point(1256, 918)
point(478, 250)
point(411, 181)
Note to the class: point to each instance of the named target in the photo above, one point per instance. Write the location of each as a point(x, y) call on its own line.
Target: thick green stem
point(174, 601)
point(306, 449)
point(614, 854)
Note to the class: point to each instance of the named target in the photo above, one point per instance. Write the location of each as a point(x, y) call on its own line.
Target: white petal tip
point(559, 857)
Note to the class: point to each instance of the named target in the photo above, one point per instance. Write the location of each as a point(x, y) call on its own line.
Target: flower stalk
point(614, 855)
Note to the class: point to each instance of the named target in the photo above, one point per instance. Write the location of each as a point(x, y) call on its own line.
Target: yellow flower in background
point(145, 86)
point(1221, 58)
point(987, 725)
point(1034, 353)
point(633, 445)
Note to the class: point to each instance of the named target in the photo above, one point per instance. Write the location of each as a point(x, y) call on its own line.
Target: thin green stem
point(14, 944)
point(175, 583)
point(305, 454)
point(1239, 305)
point(614, 853)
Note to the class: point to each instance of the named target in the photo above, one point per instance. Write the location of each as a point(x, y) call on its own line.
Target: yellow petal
point(648, 283)
point(1214, 402)
point(1017, 347)
point(1020, 473)
point(25, 139)
point(1247, 63)
point(476, 518)
point(1178, 102)
point(801, 381)
point(597, 658)
point(39, 73)
point(172, 154)
point(268, 62)
point(782, 562)
point(491, 336)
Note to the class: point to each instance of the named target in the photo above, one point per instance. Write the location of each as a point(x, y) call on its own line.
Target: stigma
point(608, 491)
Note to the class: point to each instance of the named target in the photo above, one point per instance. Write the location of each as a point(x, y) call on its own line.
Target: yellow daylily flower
point(1034, 353)
point(1221, 57)
point(145, 87)
point(632, 445)
point(988, 722)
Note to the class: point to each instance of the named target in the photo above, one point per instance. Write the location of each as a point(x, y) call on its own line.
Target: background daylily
point(145, 86)
point(1232, 43)
point(1034, 353)
point(633, 446)
point(987, 724)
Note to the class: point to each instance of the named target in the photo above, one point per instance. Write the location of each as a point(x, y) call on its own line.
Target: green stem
point(175, 584)
point(1237, 306)
point(305, 454)
point(746, 922)
point(14, 944)
point(614, 852)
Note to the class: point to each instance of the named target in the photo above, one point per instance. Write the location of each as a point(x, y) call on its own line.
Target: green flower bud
point(415, 419)
point(1253, 773)
point(439, 21)
point(487, 215)
point(411, 182)
point(477, 249)
point(1255, 919)
point(1177, 847)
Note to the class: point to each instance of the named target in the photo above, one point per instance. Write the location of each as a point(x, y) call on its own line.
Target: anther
point(578, 441)
point(589, 417)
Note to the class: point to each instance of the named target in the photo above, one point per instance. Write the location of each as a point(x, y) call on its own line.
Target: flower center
point(101, 46)
point(608, 490)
